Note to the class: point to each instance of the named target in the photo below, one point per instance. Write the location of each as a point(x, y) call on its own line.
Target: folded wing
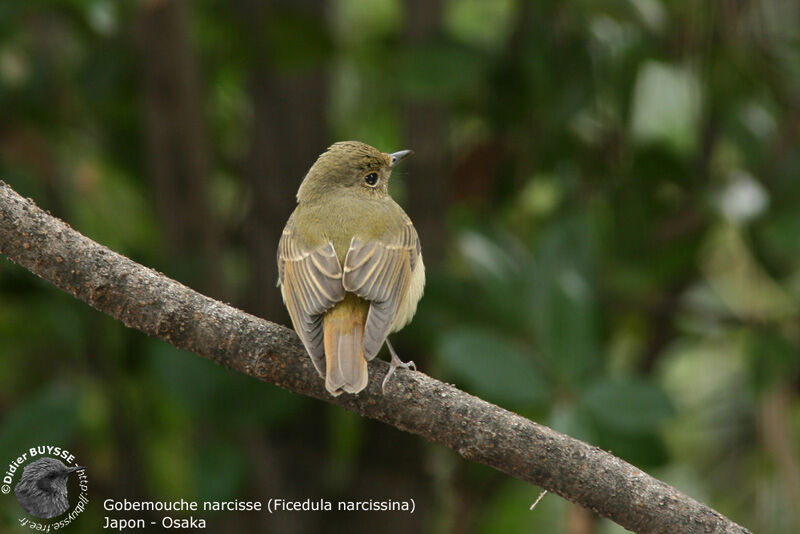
point(311, 283)
point(380, 271)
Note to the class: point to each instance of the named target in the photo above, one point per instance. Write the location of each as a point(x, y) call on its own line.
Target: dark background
point(608, 197)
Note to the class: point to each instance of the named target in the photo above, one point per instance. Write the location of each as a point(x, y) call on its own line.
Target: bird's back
point(342, 218)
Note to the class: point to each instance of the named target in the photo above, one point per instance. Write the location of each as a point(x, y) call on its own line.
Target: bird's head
point(350, 167)
point(49, 474)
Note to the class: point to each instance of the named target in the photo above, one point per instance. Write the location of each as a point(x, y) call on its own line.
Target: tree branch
point(477, 430)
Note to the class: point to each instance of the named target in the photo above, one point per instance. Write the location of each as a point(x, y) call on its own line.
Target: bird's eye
point(371, 179)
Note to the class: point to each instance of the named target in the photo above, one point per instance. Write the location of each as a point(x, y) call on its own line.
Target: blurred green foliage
point(621, 257)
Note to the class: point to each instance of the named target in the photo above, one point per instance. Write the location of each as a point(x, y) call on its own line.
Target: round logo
point(50, 487)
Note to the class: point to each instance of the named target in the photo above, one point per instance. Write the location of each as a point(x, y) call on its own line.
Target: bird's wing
point(380, 271)
point(311, 283)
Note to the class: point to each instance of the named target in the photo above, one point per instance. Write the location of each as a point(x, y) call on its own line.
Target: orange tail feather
point(345, 365)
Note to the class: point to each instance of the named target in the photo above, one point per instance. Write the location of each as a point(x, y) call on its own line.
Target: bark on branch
point(414, 402)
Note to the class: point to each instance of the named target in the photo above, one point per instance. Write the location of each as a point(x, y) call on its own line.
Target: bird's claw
point(394, 364)
point(392, 367)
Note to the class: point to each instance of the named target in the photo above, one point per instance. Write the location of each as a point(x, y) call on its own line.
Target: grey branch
point(414, 402)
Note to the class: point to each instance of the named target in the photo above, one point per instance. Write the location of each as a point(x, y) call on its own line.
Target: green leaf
point(483, 24)
point(493, 366)
point(358, 22)
point(562, 306)
point(629, 406)
point(666, 106)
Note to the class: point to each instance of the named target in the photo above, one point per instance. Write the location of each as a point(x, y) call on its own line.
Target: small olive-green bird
point(349, 264)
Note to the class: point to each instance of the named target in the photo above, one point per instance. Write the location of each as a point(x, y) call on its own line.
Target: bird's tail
point(345, 366)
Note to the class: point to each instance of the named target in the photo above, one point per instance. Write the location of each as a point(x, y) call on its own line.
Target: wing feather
point(311, 283)
point(380, 271)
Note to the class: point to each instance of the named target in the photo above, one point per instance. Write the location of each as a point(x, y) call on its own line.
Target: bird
point(42, 488)
point(350, 267)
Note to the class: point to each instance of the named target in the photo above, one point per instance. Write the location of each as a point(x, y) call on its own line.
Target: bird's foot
point(394, 364)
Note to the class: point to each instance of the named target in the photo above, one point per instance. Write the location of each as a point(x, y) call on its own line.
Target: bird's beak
point(397, 157)
point(73, 469)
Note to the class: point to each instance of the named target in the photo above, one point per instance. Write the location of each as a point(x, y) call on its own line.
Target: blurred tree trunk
point(176, 138)
point(426, 133)
point(426, 176)
point(289, 131)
